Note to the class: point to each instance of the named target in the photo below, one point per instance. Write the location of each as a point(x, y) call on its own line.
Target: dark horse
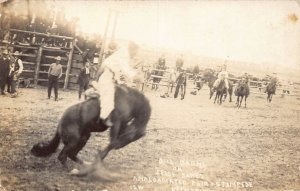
point(130, 116)
point(210, 78)
point(241, 91)
point(271, 89)
point(180, 84)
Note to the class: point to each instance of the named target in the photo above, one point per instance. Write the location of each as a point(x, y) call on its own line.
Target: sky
point(266, 32)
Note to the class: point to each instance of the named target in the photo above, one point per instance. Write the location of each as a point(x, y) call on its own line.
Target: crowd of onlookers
point(51, 21)
point(11, 67)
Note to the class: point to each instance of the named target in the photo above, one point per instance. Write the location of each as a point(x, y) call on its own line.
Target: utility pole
point(114, 27)
point(103, 44)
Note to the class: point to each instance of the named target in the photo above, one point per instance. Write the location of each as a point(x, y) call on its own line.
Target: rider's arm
point(21, 66)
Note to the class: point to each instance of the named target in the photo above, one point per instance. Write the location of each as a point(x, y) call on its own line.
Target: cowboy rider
point(117, 65)
point(223, 75)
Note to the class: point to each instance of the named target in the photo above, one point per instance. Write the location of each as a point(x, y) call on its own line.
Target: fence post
point(37, 67)
point(69, 64)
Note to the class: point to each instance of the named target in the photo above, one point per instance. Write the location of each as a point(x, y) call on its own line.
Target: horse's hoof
point(86, 163)
point(74, 172)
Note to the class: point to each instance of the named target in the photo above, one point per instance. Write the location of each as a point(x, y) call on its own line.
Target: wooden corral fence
point(37, 59)
point(256, 87)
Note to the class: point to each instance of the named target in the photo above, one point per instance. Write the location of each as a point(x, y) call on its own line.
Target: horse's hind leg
point(82, 142)
point(68, 148)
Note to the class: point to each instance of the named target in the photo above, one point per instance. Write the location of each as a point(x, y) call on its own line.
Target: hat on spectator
point(17, 53)
point(58, 58)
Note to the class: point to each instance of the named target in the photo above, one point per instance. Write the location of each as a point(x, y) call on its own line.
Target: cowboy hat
point(17, 53)
point(58, 58)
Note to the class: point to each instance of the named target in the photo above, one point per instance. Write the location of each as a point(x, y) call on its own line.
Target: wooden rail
point(42, 34)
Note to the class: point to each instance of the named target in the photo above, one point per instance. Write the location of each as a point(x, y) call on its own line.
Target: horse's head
point(222, 83)
point(242, 86)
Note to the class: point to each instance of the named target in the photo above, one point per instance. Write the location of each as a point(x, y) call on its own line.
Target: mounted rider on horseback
point(222, 76)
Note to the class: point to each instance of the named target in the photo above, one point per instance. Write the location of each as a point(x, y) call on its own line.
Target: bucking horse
point(130, 117)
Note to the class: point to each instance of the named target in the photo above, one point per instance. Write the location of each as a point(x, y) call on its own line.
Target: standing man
point(173, 74)
point(16, 69)
point(4, 70)
point(54, 74)
point(84, 79)
point(179, 63)
point(161, 64)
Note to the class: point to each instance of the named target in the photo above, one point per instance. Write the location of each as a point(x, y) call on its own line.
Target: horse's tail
point(44, 149)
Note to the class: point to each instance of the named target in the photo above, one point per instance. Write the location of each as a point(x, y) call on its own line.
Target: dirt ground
point(190, 145)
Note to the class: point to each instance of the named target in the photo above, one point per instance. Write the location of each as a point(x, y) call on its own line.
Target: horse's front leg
point(221, 98)
point(225, 96)
point(211, 93)
point(216, 97)
point(237, 101)
point(242, 97)
point(114, 133)
point(245, 101)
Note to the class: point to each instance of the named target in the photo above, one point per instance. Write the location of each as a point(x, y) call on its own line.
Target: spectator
point(84, 79)
point(16, 69)
point(54, 74)
point(179, 62)
point(161, 64)
point(4, 70)
point(171, 82)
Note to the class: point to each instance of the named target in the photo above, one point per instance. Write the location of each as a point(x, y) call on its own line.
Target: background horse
point(241, 91)
point(130, 116)
point(271, 89)
point(220, 91)
point(210, 77)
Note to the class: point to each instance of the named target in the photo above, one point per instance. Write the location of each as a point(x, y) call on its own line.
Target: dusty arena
point(190, 145)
